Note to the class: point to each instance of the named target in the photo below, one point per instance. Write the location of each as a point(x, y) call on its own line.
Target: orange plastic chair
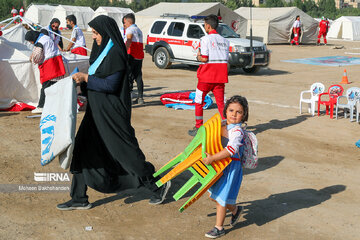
point(333, 93)
point(207, 139)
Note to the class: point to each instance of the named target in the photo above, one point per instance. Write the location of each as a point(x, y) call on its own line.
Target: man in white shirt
point(213, 71)
point(77, 36)
point(134, 46)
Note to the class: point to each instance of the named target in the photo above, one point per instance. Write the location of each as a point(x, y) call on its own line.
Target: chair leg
point(331, 111)
point(351, 113)
point(336, 112)
point(327, 109)
point(318, 108)
point(313, 108)
point(300, 107)
point(186, 187)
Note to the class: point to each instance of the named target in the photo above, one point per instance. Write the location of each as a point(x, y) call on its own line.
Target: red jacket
point(324, 26)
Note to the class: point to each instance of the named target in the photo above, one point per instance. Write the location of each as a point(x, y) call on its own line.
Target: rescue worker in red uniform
point(134, 45)
point(296, 31)
point(14, 13)
point(51, 66)
point(213, 71)
point(22, 12)
point(323, 29)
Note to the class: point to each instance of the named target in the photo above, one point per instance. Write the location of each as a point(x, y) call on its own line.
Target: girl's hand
point(208, 160)
point(80, 77)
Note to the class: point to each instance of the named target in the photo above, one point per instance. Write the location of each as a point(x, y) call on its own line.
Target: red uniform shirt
point(136, 47)
point(216, 49)
point(324, 26)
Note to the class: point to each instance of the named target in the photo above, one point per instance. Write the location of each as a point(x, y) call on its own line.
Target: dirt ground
point(306, 186)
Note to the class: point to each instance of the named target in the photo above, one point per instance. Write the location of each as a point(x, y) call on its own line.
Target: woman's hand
point(208, 160)
point(80, 77)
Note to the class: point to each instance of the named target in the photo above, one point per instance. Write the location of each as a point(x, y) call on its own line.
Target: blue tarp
point(334, 61)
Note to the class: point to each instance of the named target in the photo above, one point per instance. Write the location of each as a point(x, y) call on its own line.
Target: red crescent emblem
point(233, 24)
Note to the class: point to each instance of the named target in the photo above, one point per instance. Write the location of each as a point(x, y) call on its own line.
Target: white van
point(176, 38)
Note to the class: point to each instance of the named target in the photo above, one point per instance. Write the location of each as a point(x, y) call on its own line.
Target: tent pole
point(27, 20)
point(6, 20)
point(66, 61)
point(14, 18)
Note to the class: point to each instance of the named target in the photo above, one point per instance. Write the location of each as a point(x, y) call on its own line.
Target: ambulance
point(176, 38)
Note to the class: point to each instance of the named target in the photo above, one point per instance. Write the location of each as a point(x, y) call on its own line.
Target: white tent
point(83, 15)
point(19, 78)
point(113, 12)
point(273, 25)
point(146, 17)
point(17, 74)
point(40, 13)
point(345, 27)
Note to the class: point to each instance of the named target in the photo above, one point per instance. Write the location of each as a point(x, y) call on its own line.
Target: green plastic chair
point(198, 140)
point(208, 138)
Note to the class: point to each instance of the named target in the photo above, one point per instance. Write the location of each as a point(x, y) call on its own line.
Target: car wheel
point(254, 69)
point(162, 58)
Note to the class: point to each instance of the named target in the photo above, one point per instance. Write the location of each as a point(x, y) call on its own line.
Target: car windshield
point(225, 31)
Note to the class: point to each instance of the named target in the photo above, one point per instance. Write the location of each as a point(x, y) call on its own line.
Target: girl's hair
point(240, 100)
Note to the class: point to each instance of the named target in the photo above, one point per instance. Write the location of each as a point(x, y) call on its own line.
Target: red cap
point(0, 33)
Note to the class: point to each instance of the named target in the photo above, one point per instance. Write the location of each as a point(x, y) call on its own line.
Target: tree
point(274, 3)
point(327, 8)
point(299, 4)
point(6, 6)
point(234, 4)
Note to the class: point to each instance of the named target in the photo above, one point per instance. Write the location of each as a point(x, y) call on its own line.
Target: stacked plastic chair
point(352, 96)
point(207, 139)
point(315, 90)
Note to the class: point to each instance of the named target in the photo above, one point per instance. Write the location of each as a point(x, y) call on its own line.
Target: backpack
point(249, 158)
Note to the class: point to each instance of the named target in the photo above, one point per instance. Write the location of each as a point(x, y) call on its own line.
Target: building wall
point(351, 3)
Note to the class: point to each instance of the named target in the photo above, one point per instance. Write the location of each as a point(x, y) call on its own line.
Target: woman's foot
point(70, 205)
point(160, 194)
point(235, 218)
point(37, 110)
point(215, 233)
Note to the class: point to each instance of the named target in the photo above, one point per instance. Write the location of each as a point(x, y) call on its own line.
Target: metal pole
point(251, 37)
point(13, 19)
point(27, 20)
point(6, 20)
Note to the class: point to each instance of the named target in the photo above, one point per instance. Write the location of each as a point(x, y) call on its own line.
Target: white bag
point(58, 122)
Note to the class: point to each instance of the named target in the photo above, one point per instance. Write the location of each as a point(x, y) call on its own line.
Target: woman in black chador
point(107, 156)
